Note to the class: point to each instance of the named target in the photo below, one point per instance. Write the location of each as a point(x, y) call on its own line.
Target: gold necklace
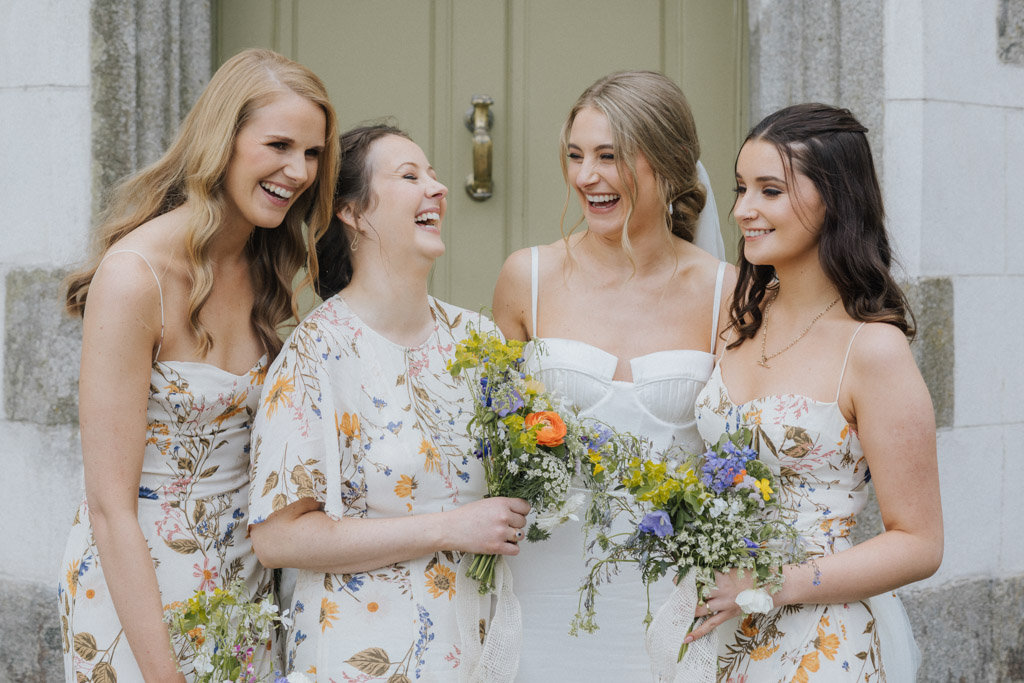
point(764, 330)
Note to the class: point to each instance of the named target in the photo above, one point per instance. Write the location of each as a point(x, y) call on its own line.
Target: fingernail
point(688, 639)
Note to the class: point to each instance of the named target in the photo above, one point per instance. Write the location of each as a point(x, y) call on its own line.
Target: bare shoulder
point(126, 278)
point(880, 348)
point(511, 304)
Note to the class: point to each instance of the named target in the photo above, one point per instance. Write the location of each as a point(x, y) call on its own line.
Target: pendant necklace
point(764, 330)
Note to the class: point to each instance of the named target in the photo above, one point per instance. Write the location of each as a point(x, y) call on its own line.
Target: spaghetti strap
point(534, 281)
point(718, 305)
point(842, 373)
point(159, 289)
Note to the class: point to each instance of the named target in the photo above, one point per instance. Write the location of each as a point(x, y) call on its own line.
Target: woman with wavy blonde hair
point(626, 315)
point(181, 304)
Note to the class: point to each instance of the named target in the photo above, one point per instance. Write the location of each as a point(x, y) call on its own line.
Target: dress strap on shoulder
point(719, 280)
point(534, 285)
point(846, 359)
point(159, 289)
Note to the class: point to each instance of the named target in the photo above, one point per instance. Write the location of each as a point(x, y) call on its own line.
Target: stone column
point(148, 62)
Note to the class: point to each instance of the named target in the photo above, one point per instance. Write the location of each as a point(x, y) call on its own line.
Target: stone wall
point(97, 91)
point(941, 87)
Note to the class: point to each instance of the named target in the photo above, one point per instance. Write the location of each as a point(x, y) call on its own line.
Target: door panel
point(421, 61)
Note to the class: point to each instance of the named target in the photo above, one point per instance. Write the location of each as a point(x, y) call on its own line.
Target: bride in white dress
point(625, 314)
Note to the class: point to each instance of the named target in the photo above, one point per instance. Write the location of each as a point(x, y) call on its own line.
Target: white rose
point(549, 519)
point(755, 601)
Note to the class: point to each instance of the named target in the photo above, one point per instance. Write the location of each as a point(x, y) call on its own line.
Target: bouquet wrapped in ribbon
point(695, 516)
point(223, 634)
point(530, 445)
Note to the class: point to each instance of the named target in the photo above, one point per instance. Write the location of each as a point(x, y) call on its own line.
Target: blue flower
point(752, 547)
point(148, 493)
point(656, 523)
point(237, 514)
point(464, 476)
point(354, 583)
point(598, 437)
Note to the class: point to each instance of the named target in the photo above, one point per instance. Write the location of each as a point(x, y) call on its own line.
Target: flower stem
point(685, 646)
point(482, 569)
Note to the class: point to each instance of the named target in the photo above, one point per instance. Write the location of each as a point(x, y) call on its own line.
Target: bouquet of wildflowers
point(694, 516)
point(222, 633)
point(530, 445)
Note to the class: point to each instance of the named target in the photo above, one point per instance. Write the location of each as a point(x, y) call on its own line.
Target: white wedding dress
point(657, 404)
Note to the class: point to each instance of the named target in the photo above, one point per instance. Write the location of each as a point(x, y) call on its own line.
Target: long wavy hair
point(353, 189)
point(193, 170)
point(829, 146)
point(648, 114)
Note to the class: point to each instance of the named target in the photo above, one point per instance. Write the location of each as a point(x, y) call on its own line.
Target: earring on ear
point(671, 209)
point(355, 242)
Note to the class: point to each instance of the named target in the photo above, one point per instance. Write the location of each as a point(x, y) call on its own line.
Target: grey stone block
point(1010, 26)
point(42, 347)
point(30, 640)
point(932, 302)
point(969, 631)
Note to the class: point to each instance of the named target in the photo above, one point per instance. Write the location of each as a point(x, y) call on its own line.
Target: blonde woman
point(627, 313)
point(192, 275)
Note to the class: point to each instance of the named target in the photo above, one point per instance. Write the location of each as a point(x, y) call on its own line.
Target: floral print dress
point(193, 510)
point(369, 429)
point(823, 477)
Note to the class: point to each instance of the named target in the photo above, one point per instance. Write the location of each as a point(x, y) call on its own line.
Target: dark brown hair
point(352, 189)
point(828, 146)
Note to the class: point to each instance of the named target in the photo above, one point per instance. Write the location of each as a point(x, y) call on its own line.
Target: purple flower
point(752, 547)
point(506, 400)
point(599, 436)
point(656, 523)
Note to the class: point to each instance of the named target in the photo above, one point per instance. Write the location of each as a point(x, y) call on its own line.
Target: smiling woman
point(190, 279)
point(361, 477)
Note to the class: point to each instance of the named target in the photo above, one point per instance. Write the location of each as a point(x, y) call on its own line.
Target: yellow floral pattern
point(192, 508)
point(823, 478)
point(369, 429)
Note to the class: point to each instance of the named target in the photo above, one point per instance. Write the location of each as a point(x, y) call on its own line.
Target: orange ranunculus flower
point(553, 431)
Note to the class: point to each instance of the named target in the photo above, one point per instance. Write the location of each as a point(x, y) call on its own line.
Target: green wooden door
point(421, 61)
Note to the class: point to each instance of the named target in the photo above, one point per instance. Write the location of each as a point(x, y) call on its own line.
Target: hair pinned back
point(649, 115)
point(354, 190)
point(828, 145)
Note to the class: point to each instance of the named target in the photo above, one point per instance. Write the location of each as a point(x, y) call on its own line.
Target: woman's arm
point(120, 328)
point(512, 306)
point(896, 426)
point(302, 536)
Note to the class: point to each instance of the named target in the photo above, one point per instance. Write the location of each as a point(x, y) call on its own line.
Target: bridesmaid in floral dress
point(181, 304)
point(818, 366)
point(361, 474)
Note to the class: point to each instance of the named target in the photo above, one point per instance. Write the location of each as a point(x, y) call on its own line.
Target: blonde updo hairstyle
point(648, 114)
point(193, 170)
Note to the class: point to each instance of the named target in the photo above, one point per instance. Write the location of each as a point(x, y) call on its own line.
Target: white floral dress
point(823, 478)
point(193, 510)
point(369, 429)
